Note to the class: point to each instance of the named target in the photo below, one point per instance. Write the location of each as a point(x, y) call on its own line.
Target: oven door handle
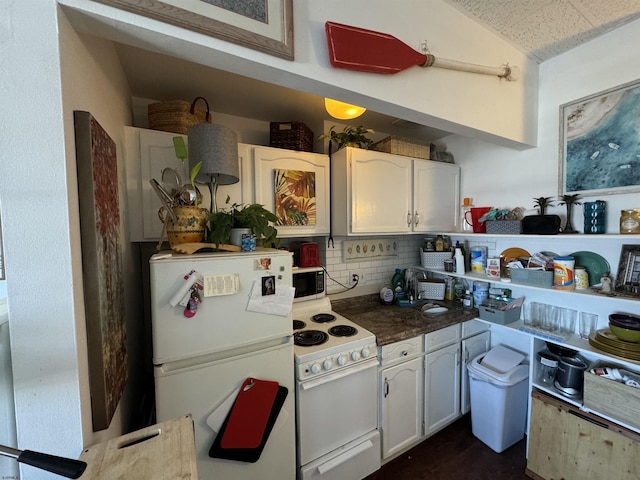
point(316, 382)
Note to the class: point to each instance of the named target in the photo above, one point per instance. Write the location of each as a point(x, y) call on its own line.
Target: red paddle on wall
point(365, 50)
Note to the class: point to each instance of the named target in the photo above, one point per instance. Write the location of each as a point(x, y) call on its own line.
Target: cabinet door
point(401, 406)
point(380, 193)
point(436, 198)
point(295, 186)
point(442, 388)
point(147, 154)
point(471, 348)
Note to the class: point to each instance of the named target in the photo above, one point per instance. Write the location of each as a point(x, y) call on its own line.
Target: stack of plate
point(606, 341)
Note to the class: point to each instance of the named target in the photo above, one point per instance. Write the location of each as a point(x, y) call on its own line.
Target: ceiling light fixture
point(341, 110)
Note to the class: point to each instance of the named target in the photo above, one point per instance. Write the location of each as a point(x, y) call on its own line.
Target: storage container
point(293, 135)
point(509, 227)
point(177, 116)
point(434, 260)
point(501, 317)
point(611, 398)
point(403, 146)
point(528, 276)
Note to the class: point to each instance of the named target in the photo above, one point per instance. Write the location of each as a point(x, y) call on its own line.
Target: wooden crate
point(566, 443)
point(611, 398)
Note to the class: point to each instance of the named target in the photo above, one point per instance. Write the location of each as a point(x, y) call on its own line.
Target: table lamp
point(216, 146)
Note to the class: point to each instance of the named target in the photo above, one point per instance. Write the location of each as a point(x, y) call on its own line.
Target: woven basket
point(431, 289)
point(404, 146)
point(291, 135)
point(177, 116)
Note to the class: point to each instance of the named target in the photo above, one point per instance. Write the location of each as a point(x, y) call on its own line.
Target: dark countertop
point(393, 323)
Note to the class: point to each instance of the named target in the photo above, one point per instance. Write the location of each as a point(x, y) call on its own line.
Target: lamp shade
point(216, 146)
point(341, 110)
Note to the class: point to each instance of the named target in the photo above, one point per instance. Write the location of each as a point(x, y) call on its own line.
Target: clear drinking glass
point(533, 313)
point(550, 321)
point(588, 323)
point(567, 320)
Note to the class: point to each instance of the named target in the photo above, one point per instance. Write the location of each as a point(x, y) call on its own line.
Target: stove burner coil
point(298, 324)
point(323, 318)
point(343, 331)
point(309, 338)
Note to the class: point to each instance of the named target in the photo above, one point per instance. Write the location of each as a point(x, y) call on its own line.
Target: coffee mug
point(476, 213)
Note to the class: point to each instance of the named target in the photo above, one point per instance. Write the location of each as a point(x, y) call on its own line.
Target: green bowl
point(625, 334)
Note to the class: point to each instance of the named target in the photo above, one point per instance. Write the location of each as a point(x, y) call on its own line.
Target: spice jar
point(582, 278)
point(630, 221)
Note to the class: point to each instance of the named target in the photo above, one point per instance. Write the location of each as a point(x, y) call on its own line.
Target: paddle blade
point(356, 48)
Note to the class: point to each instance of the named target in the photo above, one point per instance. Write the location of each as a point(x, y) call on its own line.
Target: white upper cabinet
point(295, 186)
point(436, 196)
point(147, 154)
point(376, 193)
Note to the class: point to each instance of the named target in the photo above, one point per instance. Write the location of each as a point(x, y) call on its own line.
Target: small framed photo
point(628, 279)
point(269, 285)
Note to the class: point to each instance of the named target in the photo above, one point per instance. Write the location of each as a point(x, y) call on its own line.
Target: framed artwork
point(295, 197)
point(101, 266)
point(264, 25)
point(600, 143)
point(628, 279)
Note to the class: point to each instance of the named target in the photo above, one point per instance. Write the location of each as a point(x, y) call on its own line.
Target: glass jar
point(630, 221)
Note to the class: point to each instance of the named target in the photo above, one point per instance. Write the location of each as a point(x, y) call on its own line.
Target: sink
point(434, 307)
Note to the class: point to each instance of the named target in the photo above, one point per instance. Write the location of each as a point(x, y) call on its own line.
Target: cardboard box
point(611, 398)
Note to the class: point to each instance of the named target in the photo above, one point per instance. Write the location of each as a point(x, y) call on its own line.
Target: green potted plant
point(349, 137)
point(253, 217)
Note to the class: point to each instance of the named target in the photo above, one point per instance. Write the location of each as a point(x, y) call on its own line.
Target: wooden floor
point(454, 453)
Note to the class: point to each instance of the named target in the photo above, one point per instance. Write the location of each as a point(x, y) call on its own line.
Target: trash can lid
point(501, 359)
point(500, 366)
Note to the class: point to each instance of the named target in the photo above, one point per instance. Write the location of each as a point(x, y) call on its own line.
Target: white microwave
point(309, 283)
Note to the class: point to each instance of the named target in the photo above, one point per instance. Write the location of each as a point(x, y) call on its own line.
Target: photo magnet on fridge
point(268, 285)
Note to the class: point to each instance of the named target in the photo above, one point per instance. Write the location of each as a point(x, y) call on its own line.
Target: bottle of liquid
point(449, 293)
point(465, 226)
point(397, 284)
point(459, 259)
point(386, 294)
point(467, 301)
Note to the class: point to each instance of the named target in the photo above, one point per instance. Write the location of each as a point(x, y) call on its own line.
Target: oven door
point(336, 409)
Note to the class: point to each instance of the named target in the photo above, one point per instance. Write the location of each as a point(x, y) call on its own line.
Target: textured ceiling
point(543, 29)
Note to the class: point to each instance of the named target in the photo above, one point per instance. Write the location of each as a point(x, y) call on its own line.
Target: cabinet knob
point(408, 219)
point(416, 218)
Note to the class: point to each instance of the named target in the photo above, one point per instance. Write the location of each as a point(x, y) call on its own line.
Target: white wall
point(470, 104)
point(501, 177)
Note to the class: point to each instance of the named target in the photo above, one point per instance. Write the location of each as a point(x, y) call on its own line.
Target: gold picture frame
point(263, 25)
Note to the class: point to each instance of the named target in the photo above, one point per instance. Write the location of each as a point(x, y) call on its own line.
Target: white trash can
point(499, 392)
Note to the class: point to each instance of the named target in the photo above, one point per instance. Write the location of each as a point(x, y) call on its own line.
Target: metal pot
point(570, 375)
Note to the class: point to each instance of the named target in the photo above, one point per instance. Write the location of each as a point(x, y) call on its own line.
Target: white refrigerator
point(221, 324)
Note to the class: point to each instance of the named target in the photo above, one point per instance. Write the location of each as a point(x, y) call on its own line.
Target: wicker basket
point(291, 135)
point(177, 116)
point(404, 146)
point(434, 260)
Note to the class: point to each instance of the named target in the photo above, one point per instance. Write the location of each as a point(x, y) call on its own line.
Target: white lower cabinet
point(476, 339)
point(401, 404)
point(442, 387)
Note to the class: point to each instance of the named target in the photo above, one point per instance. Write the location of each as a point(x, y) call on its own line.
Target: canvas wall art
point(600, 143)
point(295, 197)
point(102, 266)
